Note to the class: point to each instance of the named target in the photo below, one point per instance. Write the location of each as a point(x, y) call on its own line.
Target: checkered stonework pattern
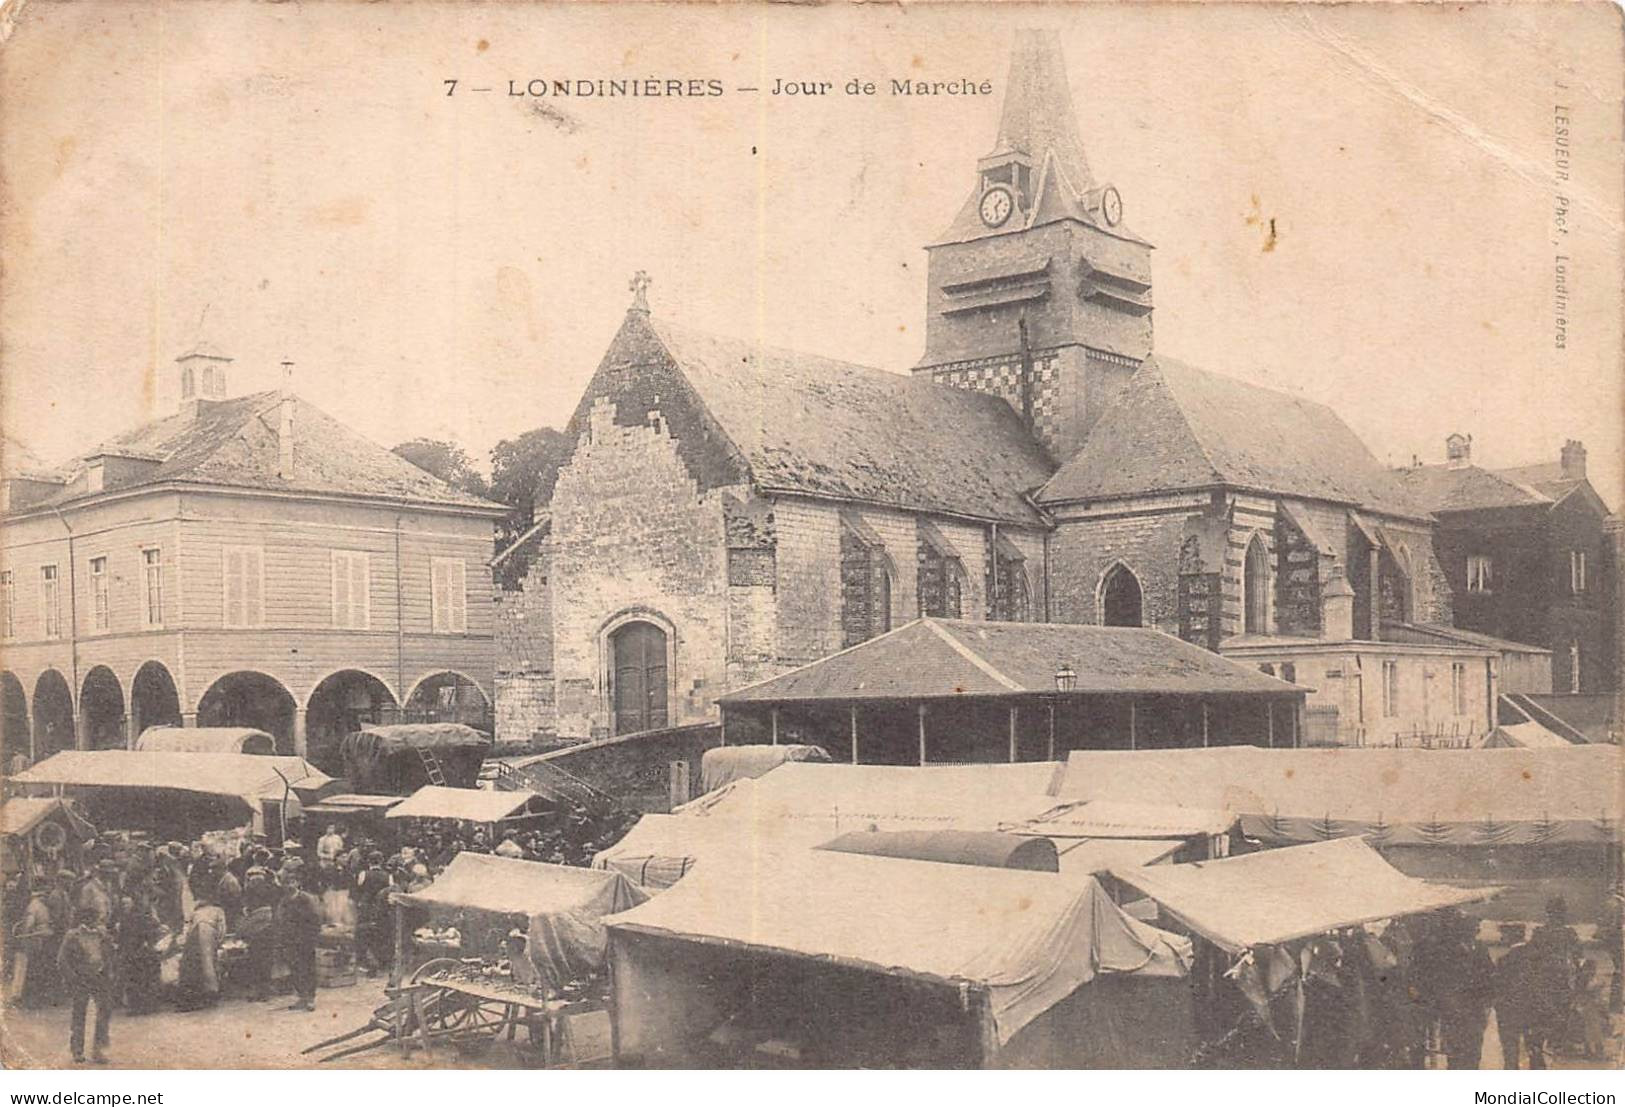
point(1001, 376)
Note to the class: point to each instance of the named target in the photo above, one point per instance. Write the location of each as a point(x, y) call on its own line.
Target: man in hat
point(37, 943)
point(96, 894)
point(86, 965)
point(372, 932)
point(299, 924)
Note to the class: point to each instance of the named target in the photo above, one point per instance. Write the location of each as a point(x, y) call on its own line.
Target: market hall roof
point(234, 443)
point(953, 658)
point(1175, 427)
point(814, 426)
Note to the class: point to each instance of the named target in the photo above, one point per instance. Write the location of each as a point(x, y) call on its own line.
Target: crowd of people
point(136, 926)
point(1419, 994)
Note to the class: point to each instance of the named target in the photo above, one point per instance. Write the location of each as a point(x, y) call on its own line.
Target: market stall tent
point(1394, 797)
point(395, 758)
point(1281, 895)
point(987, 848)
point(726, 764)
point(206, 739)
point(472, 805)
point(563, 905)
point(880, 947)
point(40, 827)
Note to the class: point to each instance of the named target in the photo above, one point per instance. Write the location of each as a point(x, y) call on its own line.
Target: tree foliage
point(446, 460)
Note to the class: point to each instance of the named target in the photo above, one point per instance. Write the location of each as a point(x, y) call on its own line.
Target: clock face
point(1111, 206)
point(997, 204)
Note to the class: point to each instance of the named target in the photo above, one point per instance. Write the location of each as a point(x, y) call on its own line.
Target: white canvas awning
point(1086, 856)
point(1283, 894)
point(250, 777)
point(1030, 939)
point(474, 805)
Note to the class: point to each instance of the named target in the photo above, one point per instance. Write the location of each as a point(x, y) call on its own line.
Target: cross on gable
point(639, 284)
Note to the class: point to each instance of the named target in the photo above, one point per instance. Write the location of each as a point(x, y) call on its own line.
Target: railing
point(548, 781)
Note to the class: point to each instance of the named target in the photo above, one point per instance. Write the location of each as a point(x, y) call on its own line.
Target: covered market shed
point(953, 690)
point(821, 959)
point(1541, 822)
point(562, 907)
point(206, 739)
point(180, 794)
point(398, 758)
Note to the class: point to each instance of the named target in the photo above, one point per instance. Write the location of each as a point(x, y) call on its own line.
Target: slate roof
point(948, 658)
point(1468, 488)
point(1177, 427)
point(811, 425)
point(1547, 478)
point(233, 443)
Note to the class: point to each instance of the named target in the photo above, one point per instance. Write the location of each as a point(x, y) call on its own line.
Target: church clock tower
point(1038, 292)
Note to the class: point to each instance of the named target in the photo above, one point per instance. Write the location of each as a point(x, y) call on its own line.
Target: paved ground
point(239, 1034)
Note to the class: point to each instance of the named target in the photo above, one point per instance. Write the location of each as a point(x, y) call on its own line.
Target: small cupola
point(1458, 450)
point(203, 374)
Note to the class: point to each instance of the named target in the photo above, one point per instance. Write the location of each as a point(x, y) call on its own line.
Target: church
point(732, 512)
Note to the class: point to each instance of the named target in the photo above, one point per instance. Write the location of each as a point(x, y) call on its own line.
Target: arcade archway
point(53, 715)
point(101, 703)
point(153, 698)
point(250, 699)
point(449, 697)
point(14, 738)
point(345, 702)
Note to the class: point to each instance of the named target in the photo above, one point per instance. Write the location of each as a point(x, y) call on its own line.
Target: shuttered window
point(351, 589)
point(244, 570)
point(448, 600)
point(152, 582)
point(101, 596)
point(50, 596)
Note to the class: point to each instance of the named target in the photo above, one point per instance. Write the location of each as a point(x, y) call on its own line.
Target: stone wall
point(637, 770)
point(1147, 541)
point(634, 538)
point(523, 628)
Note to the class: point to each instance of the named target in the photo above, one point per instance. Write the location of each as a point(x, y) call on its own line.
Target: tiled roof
point(945, 658)
point(1178, 427)
point(1469, 488)
point(1548, 478)
point(827, 428)
point(233, 443)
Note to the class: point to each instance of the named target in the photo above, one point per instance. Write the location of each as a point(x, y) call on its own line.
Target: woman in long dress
point(200, 957)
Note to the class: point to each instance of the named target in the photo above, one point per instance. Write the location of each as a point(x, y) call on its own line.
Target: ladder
point(431, 766)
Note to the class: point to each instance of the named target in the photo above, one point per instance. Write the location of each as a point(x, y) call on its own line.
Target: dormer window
point(95, 477)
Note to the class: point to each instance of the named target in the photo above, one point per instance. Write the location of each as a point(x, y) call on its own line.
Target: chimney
point(284, 429)
point(1458, 451)
point(1573, 460)
point(1337, 606)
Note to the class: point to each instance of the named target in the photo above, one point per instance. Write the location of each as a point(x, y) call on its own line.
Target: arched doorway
point(101, 703)
point(1255, 583)
point(449, 697)
point(250, 699)
point(153, 698)
point(13, 720)
point(342, 703)
point(638, 677)
point(1121, 602)
point(53, 715)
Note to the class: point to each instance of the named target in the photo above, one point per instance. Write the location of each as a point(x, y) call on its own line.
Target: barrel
point(335, 968)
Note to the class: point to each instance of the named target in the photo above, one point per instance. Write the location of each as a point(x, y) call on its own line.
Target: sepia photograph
point(585, 536)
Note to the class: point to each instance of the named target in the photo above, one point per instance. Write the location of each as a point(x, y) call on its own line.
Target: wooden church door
point(640, 677)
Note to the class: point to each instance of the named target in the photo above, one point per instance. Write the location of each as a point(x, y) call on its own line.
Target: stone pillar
point(81, 731)
point(188, 718)
point(130, 731)
point(299, 731)
point(1336, 606)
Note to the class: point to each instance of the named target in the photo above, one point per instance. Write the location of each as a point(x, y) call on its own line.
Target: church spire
point(1038, 117)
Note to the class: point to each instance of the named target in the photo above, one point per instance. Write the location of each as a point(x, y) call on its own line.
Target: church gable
point(641, 382)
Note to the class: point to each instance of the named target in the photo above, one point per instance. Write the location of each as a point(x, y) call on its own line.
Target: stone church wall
point(1148, 542)
point(524, 646)
point(633, 536)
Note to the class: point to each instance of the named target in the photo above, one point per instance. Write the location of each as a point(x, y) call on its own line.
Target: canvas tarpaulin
point(726, 764)
point(565, 905)
point(1030, 939)
point(249, 777)
point(838, 798)
point(1393, 797)
point(206, 739)
point(474, 805)
point(1083, 856)
point(1283, 894)
point(659, 850)
point(21, 814)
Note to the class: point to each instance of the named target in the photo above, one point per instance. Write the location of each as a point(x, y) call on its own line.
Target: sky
point(293, 181)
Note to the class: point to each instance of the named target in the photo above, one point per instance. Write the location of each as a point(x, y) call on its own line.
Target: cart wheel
point(429, 968)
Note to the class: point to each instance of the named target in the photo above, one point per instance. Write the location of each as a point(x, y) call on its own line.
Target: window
point(1390, 689)
point(1577, 571)
point(100, 614)
point(1478, 574)
point(50, 596)
point(8, 604)
point(152, 586)
point(448, 599)
point(1458, 686)
point(351, 580)
point(244, 568)
point(1289, 672)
